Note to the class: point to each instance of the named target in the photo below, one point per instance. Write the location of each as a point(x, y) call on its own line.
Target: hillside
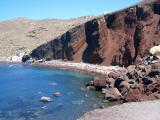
point(119, 38)
point(22, 34)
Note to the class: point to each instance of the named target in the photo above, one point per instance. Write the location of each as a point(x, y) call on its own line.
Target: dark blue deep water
point(21, 88)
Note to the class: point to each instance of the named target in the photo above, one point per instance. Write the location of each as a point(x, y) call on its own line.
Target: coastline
point(98, 71)
point(72, 66)
point(79, 67)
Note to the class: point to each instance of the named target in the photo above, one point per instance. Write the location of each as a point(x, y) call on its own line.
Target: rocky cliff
point(120, 38)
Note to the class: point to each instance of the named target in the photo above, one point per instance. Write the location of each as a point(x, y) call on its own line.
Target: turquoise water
point(21, 88)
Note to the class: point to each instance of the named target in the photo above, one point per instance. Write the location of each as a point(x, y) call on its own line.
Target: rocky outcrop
point(137, 83)
point(120, 38)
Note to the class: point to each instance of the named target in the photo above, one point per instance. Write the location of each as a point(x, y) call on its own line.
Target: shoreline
point(72, 66)
point(96, 71)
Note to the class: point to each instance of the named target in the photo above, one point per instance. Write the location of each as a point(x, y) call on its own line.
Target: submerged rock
point(60, 104)
point(46, 99)
point(57, 94)
point(53, 84)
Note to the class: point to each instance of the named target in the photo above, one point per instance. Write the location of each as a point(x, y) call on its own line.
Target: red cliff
point(119, 38)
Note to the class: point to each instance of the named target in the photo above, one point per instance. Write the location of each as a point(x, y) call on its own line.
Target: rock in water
point(46, 99)
point(57, 94)
point(60, 104)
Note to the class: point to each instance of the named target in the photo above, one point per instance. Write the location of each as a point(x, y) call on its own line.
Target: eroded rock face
point(120, 38)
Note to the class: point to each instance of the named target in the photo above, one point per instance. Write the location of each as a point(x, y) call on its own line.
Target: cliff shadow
point(90, 54)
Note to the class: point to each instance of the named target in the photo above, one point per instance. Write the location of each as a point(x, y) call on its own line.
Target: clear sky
point(61, 9)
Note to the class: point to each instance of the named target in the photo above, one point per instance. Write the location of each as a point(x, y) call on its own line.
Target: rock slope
point(139, 82)
point(120, 38)
point(130, 111)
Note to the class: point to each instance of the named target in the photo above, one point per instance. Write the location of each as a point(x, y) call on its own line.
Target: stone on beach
point(113, 75)
point(46, 99)
point(155, 49)
point(112, 94)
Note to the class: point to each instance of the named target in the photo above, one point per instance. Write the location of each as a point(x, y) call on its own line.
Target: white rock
point(155, 49)
point(16, 58)
point(57, 94)
point(46, 99)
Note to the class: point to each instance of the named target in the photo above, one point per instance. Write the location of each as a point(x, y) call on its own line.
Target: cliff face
point(120, 38)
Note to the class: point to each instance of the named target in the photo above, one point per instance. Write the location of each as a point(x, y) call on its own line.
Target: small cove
point(22, 86)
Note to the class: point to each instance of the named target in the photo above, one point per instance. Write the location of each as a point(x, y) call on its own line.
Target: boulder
point(130, 75)
point(99, 84)
point(46, 99)
point(124, 84)
point(131, 68)
point(156, 66)
point(25, 58)
point(110, 81)
point(155, 95)
point(155, 70)
point(113, 75)
point(123, 91)
point(118, 82)
point(112, 94)
point(155, 87)
point(147, 80)
point(155, 49)
point(57, 94)
point(133, 95)
point(158, 80)
point(147, 60)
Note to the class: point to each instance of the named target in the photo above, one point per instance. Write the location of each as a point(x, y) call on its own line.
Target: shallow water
point(21, 88)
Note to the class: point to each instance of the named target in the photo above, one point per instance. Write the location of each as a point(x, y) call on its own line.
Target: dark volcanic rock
point(117, 82)
point(147, 80)
point(120, 38)
point(25, 58)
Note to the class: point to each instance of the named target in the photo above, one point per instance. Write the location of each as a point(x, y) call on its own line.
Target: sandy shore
point(129, 111)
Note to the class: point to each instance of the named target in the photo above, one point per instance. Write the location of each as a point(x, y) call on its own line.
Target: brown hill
point(120, 38)
point(21, 34)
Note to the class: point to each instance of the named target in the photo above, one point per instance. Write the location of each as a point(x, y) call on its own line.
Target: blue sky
point(61, 9)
